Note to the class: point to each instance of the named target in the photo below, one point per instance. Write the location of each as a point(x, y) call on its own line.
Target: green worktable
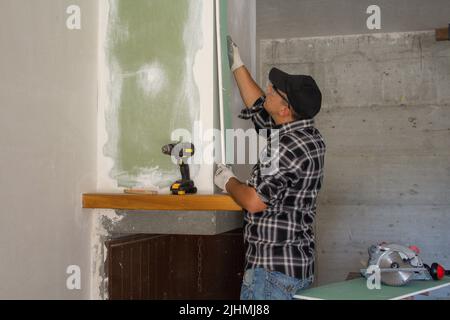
point(357, 290)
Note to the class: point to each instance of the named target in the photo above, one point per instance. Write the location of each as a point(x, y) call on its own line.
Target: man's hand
point(222, 176)
point(233, 55)
point(248, 88)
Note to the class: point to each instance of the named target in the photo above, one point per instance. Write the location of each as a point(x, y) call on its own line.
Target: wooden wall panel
point(175, 266)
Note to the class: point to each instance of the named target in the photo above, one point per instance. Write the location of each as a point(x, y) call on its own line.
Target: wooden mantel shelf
point(122, 201)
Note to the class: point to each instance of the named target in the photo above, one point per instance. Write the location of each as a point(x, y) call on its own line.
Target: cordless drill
point(182, 151)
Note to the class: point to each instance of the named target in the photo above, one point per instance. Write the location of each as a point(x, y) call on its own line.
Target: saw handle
point(437, 271)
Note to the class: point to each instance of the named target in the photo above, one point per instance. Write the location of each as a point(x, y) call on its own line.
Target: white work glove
point(233, 55)
point(222, 176)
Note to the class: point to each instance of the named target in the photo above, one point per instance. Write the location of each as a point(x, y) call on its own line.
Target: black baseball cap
point(302, 92)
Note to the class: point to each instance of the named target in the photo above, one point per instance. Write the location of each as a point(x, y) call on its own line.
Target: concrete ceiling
point(306, 18)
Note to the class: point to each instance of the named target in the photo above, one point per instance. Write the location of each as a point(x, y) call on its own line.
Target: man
point(280, 204)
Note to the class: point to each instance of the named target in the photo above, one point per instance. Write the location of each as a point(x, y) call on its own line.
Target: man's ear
point(284, 112)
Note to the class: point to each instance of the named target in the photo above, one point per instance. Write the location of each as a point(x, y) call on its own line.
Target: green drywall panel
point(356, 289)
point(151, 46)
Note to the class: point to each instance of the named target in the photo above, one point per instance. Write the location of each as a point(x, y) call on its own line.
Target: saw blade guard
point(393, 260)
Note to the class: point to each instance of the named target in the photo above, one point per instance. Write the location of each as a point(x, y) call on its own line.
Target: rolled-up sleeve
point(269, 188)
point(271, 179)
point(259, 116)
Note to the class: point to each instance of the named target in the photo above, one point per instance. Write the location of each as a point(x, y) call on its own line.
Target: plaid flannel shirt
point(281, 238)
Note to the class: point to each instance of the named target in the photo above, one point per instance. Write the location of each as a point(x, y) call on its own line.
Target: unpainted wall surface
point(385, 119)
point(312, 18)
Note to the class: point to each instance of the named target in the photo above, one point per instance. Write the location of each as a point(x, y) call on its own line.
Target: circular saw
point(398, 264)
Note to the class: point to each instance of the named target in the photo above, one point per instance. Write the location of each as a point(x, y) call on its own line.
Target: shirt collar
point(294, 126)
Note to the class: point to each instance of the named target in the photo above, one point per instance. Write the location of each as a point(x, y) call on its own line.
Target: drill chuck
point(179, 150)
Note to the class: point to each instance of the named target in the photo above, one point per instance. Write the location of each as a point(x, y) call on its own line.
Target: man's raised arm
point(249, 89)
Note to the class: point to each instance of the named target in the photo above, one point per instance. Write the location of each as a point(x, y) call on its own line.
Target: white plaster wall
point(48, 92)
point(204, 77)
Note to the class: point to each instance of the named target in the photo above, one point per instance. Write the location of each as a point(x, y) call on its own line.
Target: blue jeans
point(260, 284)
